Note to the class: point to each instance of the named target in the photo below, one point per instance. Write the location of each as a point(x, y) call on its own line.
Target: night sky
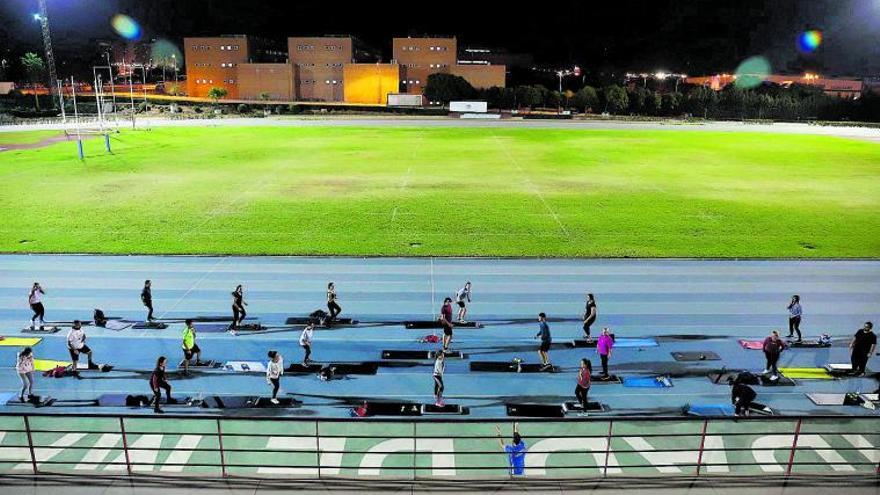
point(690, 36)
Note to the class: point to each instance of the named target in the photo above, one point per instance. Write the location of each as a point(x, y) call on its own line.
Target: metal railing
point(328, 448)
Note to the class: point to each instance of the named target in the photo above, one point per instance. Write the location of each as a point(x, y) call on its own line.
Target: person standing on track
point(238, 304)
point(159, 381)
point(439, 369)
point(35, 299)
point(147, 299)
point(584, 380)
point(590, 313)
point(305, 341)
point(516, 452)
point(332, 305)
point(76, 345)
point(546, 340)
point(794, 317)
point(190, 348)
point(773, 347)
point(24, 366)
point(274, 370)
point(863, 344)
point(603, 348)
point(463, 298)
point(446, 322)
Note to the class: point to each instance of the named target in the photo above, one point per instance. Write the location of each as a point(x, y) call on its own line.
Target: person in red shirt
point(773, 347)
point(584, 380)
point(446, 321)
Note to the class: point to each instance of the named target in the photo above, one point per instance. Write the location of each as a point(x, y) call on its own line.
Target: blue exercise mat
point(711, 410)
point(634, 342)
point(648, 382)
point(7, 396)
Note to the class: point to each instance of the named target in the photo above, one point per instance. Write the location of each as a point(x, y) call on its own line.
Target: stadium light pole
point(43, 18)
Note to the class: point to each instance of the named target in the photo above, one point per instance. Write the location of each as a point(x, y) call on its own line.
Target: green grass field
point(26, 137)
point(455, 191)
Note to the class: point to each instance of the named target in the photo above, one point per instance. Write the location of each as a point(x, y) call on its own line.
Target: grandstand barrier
point(211, 446)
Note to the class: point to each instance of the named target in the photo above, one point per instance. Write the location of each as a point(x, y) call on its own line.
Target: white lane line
point(190, 289)
point(433, 291)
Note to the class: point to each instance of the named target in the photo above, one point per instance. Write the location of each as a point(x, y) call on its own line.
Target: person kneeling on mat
point(159, 381)
point(446, 322)
point(546, 340)
point(742, 395)
point(76, 344)
point(190, 348)
point(24, 366)
point(439, 368)
point(274, 370)
point(305, 341)
point(584, 380)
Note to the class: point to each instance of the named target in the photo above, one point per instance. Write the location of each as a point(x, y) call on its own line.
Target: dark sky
point(691, 36)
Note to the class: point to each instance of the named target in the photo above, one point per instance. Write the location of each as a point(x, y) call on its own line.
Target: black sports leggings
point(794, 326)
point(238, 314)
point(772, 359)
point(157, 393)
point(581, 394)
point(39, 311)
point(587, 324)
point(604, 359)
point(334, 309)
point(149, 305)
point(276, 384)
point(308, 349)
point(438, 385)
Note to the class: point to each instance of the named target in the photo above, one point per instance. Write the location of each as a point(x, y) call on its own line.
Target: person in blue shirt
point(544, 333)
point(516, 452)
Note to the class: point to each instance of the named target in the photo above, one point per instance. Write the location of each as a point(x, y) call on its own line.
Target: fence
point(326, 448)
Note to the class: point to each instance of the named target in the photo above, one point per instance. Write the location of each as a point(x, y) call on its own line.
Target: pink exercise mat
point(755, 345)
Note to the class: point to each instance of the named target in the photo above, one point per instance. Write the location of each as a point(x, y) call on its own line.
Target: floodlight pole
point(131, 94)
point(47, 45)
point(112, 90)
point(61, 101)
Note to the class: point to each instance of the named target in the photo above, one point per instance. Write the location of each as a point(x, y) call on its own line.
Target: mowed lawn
point(441, 191)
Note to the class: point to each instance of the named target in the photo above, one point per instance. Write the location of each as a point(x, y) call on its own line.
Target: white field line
point(531, 185)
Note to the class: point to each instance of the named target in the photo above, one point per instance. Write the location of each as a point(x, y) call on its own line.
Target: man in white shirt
point(305, 340)
point(76, 344)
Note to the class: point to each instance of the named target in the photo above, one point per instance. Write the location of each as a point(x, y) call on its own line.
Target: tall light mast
point(43, 17)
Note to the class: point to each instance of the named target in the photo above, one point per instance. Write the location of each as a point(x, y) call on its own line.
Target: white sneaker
point(273, 401)
point(766, 370)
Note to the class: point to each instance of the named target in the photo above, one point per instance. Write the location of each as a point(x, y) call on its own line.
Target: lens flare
point(164, 52)
point(752, 72)
point(810, 40)
point(126, 27)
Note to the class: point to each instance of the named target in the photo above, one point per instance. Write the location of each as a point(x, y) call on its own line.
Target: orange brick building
point(317, 68)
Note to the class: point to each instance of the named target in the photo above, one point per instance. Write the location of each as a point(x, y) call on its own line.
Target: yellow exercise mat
point(807, 373)
point(20, 341)
point(48, 364)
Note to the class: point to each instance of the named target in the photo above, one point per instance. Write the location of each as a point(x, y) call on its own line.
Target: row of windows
point(222, 47)
point(329, 48)
point(312, 81)
point(335, 65)
point(411, 81)
point(438, 66)
point(229, 64)
point(418, 48)
point(211, 81)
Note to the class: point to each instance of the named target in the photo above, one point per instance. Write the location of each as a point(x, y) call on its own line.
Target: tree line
point(767, 101)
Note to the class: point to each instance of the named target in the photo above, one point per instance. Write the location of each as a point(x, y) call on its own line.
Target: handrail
point(623, 446)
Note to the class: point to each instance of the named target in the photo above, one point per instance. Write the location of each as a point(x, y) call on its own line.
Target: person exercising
point(794, 317)
point(584, 380)
point(546, 340)
point(332, 304)
point(590, 313)
point(35, 299)
point(190, 348)
point(76, 345)
point(147, 299)
point(274, 370)
point(863, 344)
point(463, 298)
point(742, 397)
point(446, 322)
point(439, 369)
point(773, 347)
point(305, 341)
point(238, 304)
point(159, 381)
point(604, 345)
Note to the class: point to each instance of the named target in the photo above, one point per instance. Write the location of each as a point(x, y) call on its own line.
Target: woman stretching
point(332, 305)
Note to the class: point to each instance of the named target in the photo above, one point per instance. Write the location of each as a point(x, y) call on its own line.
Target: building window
point(235, 47)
